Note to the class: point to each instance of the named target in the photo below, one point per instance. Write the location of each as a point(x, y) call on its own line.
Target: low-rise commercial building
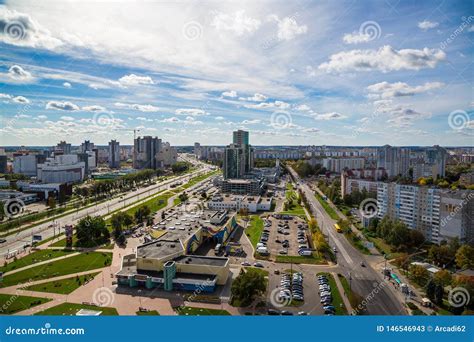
point(237, 202)
point(62, 169)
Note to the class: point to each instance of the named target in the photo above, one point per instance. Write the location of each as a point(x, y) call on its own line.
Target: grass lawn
point(298, 259)
point(33, 258)
point(336, 296)
point(331, 212)
point(254, 229)
point(292, 197)
point(259, 270)
point(198, 179)
point(63, 286)
point(383, 246)
point(192, 311)
point(147, 313)
point(79, 263)
point(70, 309)
point(10, 304)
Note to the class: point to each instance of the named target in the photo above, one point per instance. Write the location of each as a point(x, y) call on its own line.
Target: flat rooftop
point(158, 249)
point(201, 260)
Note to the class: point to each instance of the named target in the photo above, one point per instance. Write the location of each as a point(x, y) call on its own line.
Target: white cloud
point(257, 97)
point(251, 122)
point(67, 85)
point(328, 116)
point(42, 117)
point(231, 93)
point(141, 118)
point(191, 111)
point(303, 108)
point(269, 105)
point(426, 25)
point(146, 108)
point(219, 118)
point(288, 27)
point(238, 23)
point(67, 118)
point(399, 115)
point(94, 108)
point(58, 105)
point(17, 73)
point(357, 37)
point(20, 99)
point(20, 29)
point(134, 80)
point(387, 90)
point(384, 59)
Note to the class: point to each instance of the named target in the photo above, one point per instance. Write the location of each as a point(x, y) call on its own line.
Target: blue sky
point(295, 73)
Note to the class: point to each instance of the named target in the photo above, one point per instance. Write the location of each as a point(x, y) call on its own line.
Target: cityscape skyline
point(311, 82)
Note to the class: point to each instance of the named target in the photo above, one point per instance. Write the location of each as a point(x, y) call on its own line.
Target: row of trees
point(180, 167)
point(396, 233)
point(447, 254)
point(304, 169)
point(123, 183)
point(356, 197)
point(332, 190)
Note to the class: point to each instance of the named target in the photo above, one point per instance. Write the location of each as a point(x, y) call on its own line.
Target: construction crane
point(135, 130)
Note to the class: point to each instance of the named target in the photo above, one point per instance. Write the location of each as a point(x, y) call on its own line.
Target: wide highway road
point(364, 279)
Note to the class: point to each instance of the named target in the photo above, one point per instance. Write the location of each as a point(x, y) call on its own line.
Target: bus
point(338, 229)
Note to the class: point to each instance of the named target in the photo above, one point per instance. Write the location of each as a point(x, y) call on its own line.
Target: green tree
point(419, 274)
point(248, 285)
point(443, 278)
point(465, 257)
point(91, 232)
point(51, 202)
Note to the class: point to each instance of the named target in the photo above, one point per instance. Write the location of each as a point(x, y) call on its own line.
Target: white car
point(245, 263)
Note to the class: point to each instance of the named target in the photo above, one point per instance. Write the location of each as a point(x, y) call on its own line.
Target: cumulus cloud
point(189, 120)
point(426, 25)
point(387, 90)
point(303, 108)
point(238, 23)
point(67, 118)
point(399, 115)
point(219, 118)
point(384, 59)
point(146, 108)
point(230, 93)
point(134, 80)
point(191, 111)
point(328, 116)
point(20, 29)
point(20, 99)
point(94, 108)
point(58, 105)
point(357, 37)
point(17, 73)
point(67, 85)
point(269, 105)
point(257, 97)
point(288, 27)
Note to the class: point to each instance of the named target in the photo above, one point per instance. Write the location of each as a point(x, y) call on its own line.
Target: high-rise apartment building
point(63, 147)
point(114, 154)
point(145, 152)
point(238, 156)
point(395, 160)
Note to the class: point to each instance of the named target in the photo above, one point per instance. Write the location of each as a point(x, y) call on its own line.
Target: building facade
point(114, 154)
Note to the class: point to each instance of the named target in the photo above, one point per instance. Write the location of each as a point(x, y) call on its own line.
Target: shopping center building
point(169, 263)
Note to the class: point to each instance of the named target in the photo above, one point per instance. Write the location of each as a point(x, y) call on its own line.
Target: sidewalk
point(343, 293)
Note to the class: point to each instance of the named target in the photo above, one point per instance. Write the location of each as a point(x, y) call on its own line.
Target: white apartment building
point(62, 169)
point(339, 164)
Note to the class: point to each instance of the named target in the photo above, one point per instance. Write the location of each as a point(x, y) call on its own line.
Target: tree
point(431, 290)
point(438, 295)
point(248, 285)
point(51, 202)
point(91, 232)
point(443, 278)
point(465, 257)
point(141, 214)
point(419, 274)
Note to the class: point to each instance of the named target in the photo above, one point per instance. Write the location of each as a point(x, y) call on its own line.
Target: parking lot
point(286, 236)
